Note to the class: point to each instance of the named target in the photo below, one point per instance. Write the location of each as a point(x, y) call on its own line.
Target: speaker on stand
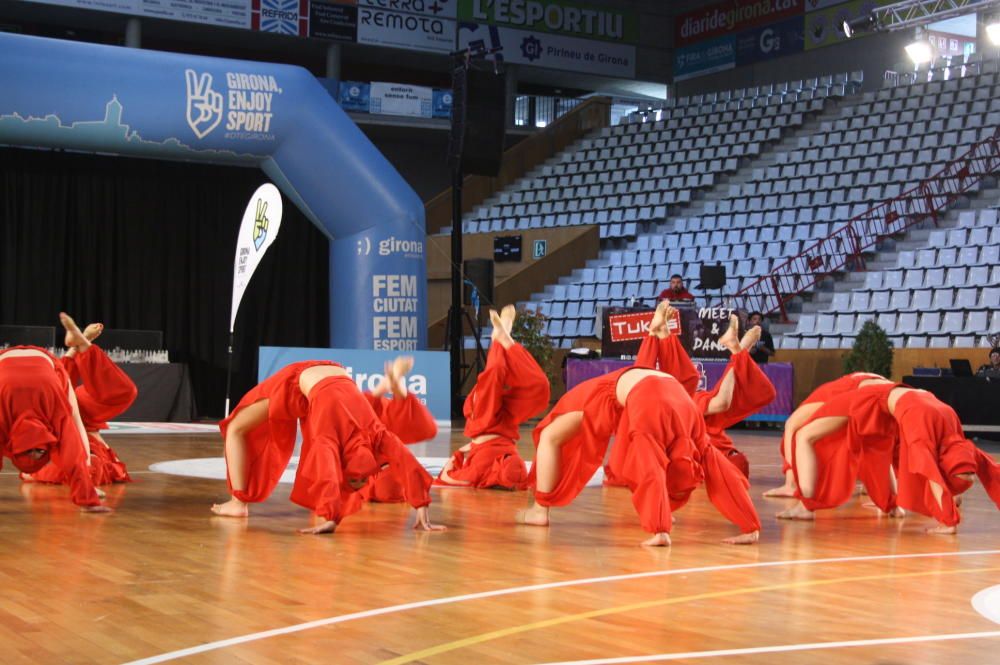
point(712, 278)
point(475, 146)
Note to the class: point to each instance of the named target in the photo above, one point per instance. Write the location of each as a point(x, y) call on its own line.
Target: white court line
point(392, 609)
point(781, 648)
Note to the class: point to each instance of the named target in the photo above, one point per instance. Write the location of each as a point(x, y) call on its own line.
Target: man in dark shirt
point(676, 291)
point(991, 370)
point(764, 348)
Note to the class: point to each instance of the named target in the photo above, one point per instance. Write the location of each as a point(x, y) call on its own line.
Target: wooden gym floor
point(162, 580)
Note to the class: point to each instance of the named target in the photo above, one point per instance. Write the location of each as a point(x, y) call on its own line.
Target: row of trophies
point(123, 356)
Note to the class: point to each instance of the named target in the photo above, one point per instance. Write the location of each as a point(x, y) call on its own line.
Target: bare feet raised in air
point(401, 366)
point(501, 335)
point(657, 540)
point(743, 539)
point(534, 516)
point(93, 331)
point(232, 508)
point(750, 338)
point(507, 316)
point(328, 526)
point(75, 339)
point(664, 312)
point(797, 512)
point(786, 491)
point(730, 339)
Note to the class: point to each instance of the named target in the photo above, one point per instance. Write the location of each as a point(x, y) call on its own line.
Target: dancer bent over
point(510, 390)
point(344, 444)
point(103, 391)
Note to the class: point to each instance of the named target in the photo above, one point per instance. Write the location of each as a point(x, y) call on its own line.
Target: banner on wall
point(226, 13)
point(699, 328)
point(560, 17)
point(730, 18)
point(354, 96)
point(772, 41)
point(336, 21)
point(549, 50)
point(417, 25)
point(430, 380)
point(284, 17)
point(398, 99)
point(708, 57)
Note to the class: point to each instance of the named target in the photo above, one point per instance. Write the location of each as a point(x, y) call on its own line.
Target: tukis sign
point(699, 328)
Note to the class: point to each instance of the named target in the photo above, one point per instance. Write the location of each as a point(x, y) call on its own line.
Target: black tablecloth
point(975, 400)
point(165, 394)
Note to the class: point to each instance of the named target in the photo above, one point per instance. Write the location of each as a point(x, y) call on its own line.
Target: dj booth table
point(975, 400)
point(165, 393)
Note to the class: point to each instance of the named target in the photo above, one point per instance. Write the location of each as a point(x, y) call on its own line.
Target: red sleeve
point(407, 418)
point(70, 457)
point(917, 468)
point(674, 360)
point(407, 470)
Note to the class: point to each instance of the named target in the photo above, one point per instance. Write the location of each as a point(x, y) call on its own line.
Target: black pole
point(229, 372)
point(455, 318)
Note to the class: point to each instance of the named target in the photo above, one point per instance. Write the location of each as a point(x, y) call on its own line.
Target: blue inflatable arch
point(110, 99)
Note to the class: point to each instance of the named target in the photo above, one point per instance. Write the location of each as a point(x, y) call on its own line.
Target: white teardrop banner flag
point(259, 228)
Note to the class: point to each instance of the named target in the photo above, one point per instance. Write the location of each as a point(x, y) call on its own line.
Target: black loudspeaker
point(43, 336)
point(478, 118)
point(712, 277)
point(480, 273)
point(131, 340)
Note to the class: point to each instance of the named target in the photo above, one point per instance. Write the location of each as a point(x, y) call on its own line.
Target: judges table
point(975, 400)
point(165, 393)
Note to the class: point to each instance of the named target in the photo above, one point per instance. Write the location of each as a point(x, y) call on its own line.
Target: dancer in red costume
point(344, 444)
point(809, 406)
point(510, 390)
point(103, 391)
point(40, 419)
point(857, 434)
point(405, 416)
point(742, 391)
point(663, 452)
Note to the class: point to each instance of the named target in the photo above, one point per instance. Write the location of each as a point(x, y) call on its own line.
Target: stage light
point(866, 23)
point(921, 50)
point(993, 31)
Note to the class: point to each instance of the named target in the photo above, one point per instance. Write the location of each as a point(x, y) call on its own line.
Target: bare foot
point(743, 539)
point(535, 516)
point(750, 339)
point(507, 316)
point(95, 509)
point(895, 512)
point(658, 540)
point(74, 338)
point(658, 325)
point(786, 491)
point(401, 366)
point(328, 526)
point(93, 331)
point(27, 477)
point(100, 493)
point(501, 335)
point(796, 512)
point(730, 339)
point(232, 508)
point(942, 530)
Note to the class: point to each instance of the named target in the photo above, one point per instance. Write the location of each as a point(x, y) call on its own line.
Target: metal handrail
point(846, 245)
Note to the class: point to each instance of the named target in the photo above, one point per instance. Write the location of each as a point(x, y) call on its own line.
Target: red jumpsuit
point(863, 449)
point(342, 439)
point(662, 454)
point(752, 392)
point(933, 447)
point(103, 391)
point(825, 392)
point(510, 390)
point(409, 420)
point(35, 414)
